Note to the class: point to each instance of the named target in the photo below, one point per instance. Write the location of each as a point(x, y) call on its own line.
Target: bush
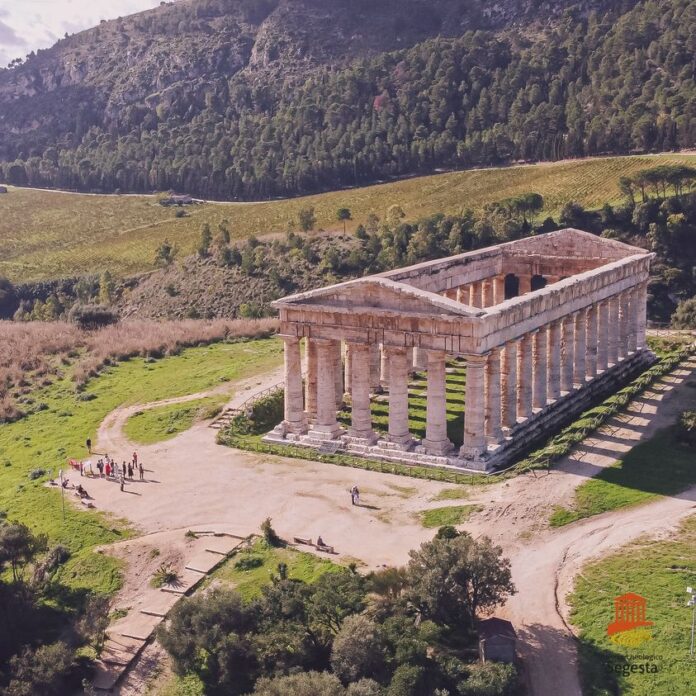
point(249, 563)
point(41, 672)
point(306, 684)
point(489, 679)
point(164, 575)
point(91, 317)
point(36, 474)
point(358, 650)
point(269, 534)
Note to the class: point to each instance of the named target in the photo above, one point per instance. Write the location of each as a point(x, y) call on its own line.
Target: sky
point(26, 25)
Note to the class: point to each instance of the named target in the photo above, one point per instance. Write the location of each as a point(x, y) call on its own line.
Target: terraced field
point(48, 234)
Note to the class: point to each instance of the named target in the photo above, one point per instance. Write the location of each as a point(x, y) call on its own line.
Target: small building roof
point(496, 628)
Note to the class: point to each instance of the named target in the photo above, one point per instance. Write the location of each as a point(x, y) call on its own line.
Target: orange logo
point(629, 626)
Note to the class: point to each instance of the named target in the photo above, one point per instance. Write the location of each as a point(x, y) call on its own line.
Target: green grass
point(47, 234)
point(301, 566)
point(165, 422)
point(458, 493)
point(661, 466)
point(660, 571)
point(453, 515)
point(47, 438)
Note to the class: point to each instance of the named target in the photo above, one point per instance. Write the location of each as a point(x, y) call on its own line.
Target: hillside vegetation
point(261, 98)
point(46, 234)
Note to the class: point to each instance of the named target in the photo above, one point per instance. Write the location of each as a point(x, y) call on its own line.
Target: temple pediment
point(369, 294)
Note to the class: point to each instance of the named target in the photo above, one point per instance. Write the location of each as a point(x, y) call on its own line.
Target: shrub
point(249, 563)
point(91, 317)
point(41, 672)
point(306, 684)
point(164, 575)
point(489, 679)
point(36, 474)
point(269, 534)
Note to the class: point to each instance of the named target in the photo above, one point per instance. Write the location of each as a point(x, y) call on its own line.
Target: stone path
point(127, 636)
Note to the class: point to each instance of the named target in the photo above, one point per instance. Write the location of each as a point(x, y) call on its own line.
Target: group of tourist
point(110, 469)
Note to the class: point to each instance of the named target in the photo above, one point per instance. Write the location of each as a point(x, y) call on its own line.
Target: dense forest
point(616, 81)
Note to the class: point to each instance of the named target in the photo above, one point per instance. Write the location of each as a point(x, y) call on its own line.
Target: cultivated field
point(46, 234)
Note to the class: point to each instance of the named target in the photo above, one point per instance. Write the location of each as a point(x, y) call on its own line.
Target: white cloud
point(27, 25)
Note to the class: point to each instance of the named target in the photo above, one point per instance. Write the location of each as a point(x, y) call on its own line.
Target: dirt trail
point(111, 438)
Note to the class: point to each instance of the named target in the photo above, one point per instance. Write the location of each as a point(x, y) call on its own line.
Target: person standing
point(123, 469)
point(122, 481)
point(107, 469)
point(88, 442)
point(130, 470)
point(142, 471)
point(135, 459)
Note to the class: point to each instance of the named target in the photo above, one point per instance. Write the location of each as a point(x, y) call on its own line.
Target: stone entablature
point(528, 356)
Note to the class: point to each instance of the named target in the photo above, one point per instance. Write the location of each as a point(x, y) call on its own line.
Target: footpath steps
point(127, 636)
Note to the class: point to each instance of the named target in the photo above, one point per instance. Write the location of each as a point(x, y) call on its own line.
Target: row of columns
point(481, 293)
point(504, 386)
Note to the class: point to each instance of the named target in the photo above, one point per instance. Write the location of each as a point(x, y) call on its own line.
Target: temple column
point(602, 336)
point(475, 295)
point(348, 368)
point(580, 371)
point(436, 442)
point(508, 377)
point(326, 425)
point(375, 359)
point(494, 432)
point(398, 397)
point(498, 289)
point(641, 315)
point(540, 368)
point(591, 342)
point(474, 414)
point(554, 388)
point(633, 320)
point(567, 354)
point(294, 417)
point(525, 285)
point(624, 313)
point(384, 367)
point(463, 294)
point(338, 372)
point(614, 331)
point(311, 378)
point(488, 293)
point(524, 376)
point(361, 412)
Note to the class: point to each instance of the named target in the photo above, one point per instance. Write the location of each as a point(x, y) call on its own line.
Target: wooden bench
point(325, 549)
point(300, 540)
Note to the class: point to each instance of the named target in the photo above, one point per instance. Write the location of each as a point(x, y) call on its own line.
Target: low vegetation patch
point(445, 516)
point(457, 493)
point(163, 423)
point(251, 569)
point(659, 571)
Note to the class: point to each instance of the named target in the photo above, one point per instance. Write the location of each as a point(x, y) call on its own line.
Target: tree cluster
point(612, 82)
point(399, 632)
point(39, 633)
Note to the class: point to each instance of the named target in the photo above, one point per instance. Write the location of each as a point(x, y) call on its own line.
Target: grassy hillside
point(45, 234)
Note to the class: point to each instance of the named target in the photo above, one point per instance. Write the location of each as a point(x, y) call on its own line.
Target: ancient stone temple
point(546, 325)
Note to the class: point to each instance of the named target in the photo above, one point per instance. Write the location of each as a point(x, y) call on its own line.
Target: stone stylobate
point(546, 326)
